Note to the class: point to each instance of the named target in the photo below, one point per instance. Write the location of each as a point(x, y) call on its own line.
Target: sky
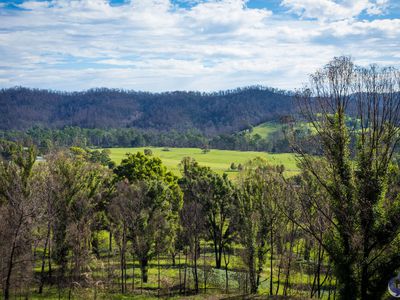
point(203, 45)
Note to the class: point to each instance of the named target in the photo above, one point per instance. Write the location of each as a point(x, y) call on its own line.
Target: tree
point(256, 216)
point(192, 222)
point(148, 152)
point(79, 187)
point(155, 213)
point(362, 240)
point(215, 195)
point(18, 210)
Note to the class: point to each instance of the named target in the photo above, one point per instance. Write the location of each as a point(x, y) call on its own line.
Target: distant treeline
point(47, 139)
point(210, 113)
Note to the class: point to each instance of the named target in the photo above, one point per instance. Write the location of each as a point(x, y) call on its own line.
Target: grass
point(265, 129)
point(106, 271)
point(218, 160)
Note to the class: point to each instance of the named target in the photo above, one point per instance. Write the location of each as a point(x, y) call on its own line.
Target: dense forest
point(210, 113)
point(77, 226)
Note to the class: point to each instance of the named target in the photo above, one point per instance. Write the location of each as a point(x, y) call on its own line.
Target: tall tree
point(215, 195)
point(256, 212)
point(79, 186)
point(362, 239)
point(18, 210)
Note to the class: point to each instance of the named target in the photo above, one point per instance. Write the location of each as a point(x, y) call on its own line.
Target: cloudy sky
point(159, 45)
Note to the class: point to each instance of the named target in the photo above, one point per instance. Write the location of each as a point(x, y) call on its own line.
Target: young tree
point(363, 238)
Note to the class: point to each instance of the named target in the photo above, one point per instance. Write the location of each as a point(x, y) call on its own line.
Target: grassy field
point(218, 160)
point(265, 129)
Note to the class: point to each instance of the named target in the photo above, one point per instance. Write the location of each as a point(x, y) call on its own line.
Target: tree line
point(47, 140)
point(331, 231)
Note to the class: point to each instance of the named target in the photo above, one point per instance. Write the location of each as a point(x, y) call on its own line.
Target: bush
point(148, 152)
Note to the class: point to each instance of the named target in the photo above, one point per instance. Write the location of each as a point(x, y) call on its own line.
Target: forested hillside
point(211, 113)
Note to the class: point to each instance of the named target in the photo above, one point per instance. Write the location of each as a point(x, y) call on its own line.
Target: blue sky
point(159, 45)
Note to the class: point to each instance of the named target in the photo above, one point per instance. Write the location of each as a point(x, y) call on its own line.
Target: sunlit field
point(218, 160)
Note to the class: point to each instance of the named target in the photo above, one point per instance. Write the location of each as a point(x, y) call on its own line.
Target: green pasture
point(265, 129)
point(218, 160)
point(268, 128)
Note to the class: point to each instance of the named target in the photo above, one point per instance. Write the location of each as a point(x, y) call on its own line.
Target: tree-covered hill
point(211, 113)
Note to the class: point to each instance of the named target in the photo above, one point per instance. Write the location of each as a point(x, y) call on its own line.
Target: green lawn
point(218, 160)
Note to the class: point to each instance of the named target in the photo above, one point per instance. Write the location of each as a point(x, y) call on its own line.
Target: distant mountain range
point(211, 113)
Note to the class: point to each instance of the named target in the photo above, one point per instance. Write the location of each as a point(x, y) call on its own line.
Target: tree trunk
point(143, 268)
point(290, 253)
point(110, 241)
point(271, 262)
point(252, 272)
point(195, 274)
point(10, 264)
point(204, 268)
point(159, 275)
point(173, 255)
point(279, 276)
point(226, 260)
point(133, 272)
point(49, 260)
point(218, 253)
point(180, 273)
point(44, 259)
point(95, 245)
point(364, 281)
point(184, 275)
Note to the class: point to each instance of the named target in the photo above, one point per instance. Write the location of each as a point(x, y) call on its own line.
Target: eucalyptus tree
point(259, 189)
point(153, 200)
point(77, 189)
point(215, 195)
point(18, 212)
point(362, 239)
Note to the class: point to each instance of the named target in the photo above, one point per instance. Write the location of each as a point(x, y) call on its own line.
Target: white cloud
point(334, 10)
point(156, 45)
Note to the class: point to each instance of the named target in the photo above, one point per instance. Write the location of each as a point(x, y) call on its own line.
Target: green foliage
point(95, 156)
point(148, 152)
point(78, 185)
point(139, 167)
point(256, 213)
point(146, 206)
point(19, 209)
point(214, 193)
point(362, 236)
